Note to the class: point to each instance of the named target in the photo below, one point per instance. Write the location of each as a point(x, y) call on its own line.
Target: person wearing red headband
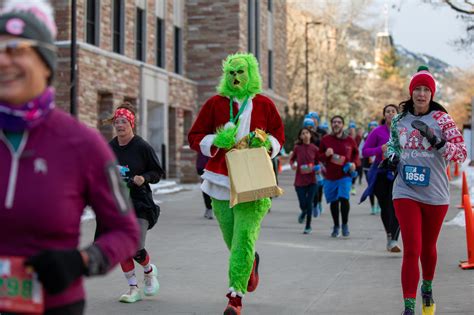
point(139, 166)
point(423, 139)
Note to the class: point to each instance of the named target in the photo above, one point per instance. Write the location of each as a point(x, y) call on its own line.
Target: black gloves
point(426, 132)
point(57, 269)
point(390, 163)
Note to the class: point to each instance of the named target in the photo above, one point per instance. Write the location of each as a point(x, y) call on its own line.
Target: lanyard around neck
point(241, 110)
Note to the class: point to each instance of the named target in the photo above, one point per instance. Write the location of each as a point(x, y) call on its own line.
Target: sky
point(424, 28)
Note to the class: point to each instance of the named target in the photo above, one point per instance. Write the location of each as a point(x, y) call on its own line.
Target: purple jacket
point(373, 144)
point(60, 167)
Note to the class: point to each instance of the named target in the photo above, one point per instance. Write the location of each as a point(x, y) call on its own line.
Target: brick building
point(164, 56)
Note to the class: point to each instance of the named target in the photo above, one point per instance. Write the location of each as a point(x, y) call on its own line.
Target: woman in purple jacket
point(381, 181)
point(47, 177)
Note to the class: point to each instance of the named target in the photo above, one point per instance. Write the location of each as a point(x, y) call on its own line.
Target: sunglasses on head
point(15, 47)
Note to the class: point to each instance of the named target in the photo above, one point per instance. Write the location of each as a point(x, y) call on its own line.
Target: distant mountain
point(409, 61)
point(443, 72)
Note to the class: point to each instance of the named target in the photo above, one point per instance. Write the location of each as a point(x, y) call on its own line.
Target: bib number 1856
point(416, 175)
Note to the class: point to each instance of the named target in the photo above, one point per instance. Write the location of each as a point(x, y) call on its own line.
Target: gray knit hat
point(31, 19)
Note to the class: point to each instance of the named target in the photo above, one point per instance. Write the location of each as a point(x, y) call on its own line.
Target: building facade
point(164, 57)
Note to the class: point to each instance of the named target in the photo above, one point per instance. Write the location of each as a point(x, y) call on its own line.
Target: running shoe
point(308, 230)
point(208, 214)
point(132, 295)
point(408, 311)
point(345, 230)
point(373, 210)
point(234, 306)
point(320, 207)
point(254, 278)
point(393, 247)
point(315, 211)
point(335, 231)
point(428, 305)
point(151, 282)
point(301, 218)
point(353, 191)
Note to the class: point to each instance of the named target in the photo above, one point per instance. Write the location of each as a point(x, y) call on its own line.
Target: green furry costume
point(240, 225)
point(219, 127)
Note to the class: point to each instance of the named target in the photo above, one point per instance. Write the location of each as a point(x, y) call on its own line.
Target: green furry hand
point(257, 143)
point(225, 137)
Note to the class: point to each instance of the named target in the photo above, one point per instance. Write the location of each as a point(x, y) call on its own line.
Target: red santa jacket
point(215, 113)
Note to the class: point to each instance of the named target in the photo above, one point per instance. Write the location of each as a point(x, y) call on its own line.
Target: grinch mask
point(237, 75)
point(241, 78)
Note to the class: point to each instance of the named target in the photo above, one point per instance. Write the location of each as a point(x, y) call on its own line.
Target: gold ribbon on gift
point(251, 175)
point(244, 142)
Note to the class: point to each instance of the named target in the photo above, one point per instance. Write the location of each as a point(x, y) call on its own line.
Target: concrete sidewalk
point(299, 274)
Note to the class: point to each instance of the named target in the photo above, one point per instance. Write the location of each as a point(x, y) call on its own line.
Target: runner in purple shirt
point(380, 181)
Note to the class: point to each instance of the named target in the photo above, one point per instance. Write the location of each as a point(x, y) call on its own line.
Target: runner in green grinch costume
point(235, 119)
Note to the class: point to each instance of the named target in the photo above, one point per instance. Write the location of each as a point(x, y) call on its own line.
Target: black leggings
point(383, 192)
point(76, 308)
point(345, 207)
point(207, 200)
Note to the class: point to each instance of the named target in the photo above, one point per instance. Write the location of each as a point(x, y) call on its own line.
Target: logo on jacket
point(40, 166)
point(413, 140)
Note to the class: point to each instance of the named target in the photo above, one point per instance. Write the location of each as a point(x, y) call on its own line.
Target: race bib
point(416, 175)
point(306, 168)
point(338, 159)
point(20, 291)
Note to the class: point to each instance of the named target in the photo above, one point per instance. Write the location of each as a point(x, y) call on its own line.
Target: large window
point(253, 27)
point(92, 22)
point(140, 35)
point(178, 50)
point(118, 26)
point(160, 42)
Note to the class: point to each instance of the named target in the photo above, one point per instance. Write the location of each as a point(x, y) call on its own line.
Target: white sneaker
point(151, 282)
point(133, 295)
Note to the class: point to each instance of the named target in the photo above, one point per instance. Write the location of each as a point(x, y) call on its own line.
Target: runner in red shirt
point(339, 154)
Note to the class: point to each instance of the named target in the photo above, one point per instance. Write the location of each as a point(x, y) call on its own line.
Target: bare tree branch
point(458, 9)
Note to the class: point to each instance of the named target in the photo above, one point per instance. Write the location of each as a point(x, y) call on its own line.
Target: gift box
point(251, 175)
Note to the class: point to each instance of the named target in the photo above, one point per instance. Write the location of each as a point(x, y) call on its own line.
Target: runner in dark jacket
point(139, 167)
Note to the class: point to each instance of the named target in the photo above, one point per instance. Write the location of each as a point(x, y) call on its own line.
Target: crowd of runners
point(403, 157)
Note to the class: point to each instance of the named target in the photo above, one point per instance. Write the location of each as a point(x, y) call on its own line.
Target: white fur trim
point(206, 144)
point(276, 147)
point(234, 293)
point(215, 191)
point(216, 185)
point(215, 178)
